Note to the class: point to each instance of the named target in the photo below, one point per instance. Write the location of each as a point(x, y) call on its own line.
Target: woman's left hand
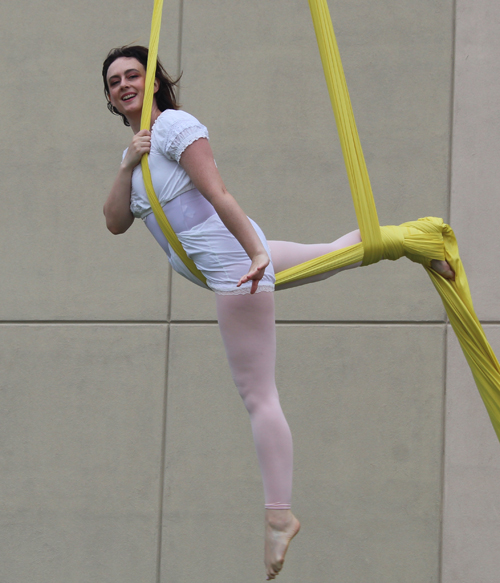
point(256, 271)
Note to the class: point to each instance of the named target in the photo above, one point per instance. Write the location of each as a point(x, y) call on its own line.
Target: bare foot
point(281, 527)
point(443, 268)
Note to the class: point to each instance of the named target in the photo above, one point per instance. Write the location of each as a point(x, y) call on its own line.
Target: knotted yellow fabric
point(421, 241)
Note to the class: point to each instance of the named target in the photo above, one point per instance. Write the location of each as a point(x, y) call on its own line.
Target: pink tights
point(248, 331)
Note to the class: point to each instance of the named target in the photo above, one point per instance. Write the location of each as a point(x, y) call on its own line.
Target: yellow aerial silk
point(146, 125)
point(421, 241)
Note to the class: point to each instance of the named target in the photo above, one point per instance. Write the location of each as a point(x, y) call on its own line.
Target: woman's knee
point(259, 399)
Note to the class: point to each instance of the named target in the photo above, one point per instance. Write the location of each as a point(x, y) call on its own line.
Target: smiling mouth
point(128, 97)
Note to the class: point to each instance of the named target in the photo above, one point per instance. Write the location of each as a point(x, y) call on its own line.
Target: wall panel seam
point(163, 449)
point(443, 453)
point(132, 323)
point(452, 106)
point(179, 44)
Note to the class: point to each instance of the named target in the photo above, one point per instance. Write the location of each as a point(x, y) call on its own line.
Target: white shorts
point(214, 250)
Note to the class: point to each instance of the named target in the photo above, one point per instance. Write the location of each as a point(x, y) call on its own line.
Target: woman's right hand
point(117, 205)
point(256, 271)
point(140, 145)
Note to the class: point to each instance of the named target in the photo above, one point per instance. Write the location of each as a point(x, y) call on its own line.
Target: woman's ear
point(156, 85)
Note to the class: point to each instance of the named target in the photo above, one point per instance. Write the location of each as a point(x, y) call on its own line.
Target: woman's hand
point(256, 272)
point(141, 144)
point(198, 161)
point(117, 206)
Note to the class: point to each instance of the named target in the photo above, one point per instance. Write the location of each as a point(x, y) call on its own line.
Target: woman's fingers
point(142, 141)
point(141, 144)
point(254, 275)
point(256, 271)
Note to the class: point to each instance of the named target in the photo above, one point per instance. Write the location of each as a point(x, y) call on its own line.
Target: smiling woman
point(228, 248)
point(135, 56)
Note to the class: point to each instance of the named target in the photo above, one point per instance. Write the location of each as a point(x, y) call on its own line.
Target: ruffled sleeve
point(175, 131)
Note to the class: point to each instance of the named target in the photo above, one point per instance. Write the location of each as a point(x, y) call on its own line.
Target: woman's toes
point(443, 268)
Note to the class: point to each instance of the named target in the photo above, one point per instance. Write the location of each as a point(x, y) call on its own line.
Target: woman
point(228, 248)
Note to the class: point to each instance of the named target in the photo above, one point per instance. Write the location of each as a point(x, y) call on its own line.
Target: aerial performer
point(231, 252)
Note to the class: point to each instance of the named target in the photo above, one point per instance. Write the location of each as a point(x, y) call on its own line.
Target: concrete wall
point(126, 454)
point(471, 517)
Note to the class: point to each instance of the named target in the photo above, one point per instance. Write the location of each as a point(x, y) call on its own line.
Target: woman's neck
point(135, 123)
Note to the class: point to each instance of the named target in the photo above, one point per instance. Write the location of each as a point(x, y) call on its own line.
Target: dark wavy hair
point(165, 96)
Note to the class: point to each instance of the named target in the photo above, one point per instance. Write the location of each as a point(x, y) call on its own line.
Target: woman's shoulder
point(174, 117)
point(174, 130)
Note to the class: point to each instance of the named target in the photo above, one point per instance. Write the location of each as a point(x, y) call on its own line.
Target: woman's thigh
point(286, 254)
point(247, 327)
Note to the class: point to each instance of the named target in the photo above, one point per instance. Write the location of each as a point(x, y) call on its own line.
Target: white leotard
point(171, 134)
point(206, 240)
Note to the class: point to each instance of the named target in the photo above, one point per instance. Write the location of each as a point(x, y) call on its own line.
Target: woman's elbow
point(114, 230)
point(116, 227)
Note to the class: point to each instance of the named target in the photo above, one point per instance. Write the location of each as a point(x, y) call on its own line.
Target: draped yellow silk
point(421, 241)
point(146, 125)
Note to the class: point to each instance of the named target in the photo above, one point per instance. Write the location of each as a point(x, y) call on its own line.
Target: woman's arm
point(198, 161)
point(117, 206)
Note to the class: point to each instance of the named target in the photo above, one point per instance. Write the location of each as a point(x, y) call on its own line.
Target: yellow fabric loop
point(420, 241)
point(167, 230)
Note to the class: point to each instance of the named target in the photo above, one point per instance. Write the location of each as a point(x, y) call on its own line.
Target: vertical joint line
point(163, 447)
point(178, 96)
point(179, 41)
point(161, 489)
point(169, 294)
point(452, 104)
point(443, 452)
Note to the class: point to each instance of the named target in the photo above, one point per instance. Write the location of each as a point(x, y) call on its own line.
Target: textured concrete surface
point(475, 204)
point(471, 520)
point(366, 419)
point(81, 435)
point(58, 259)
point(90, 490)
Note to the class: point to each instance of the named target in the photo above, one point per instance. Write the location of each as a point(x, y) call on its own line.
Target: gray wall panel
point(81, 434)
point(476, 142)
point(366, 418)
point(64, 148)
point(471, 525)
point(471, 548)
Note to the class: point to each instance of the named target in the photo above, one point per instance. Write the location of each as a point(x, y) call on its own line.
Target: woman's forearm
point(117, 206)
point(238, 223)
point(198, 161)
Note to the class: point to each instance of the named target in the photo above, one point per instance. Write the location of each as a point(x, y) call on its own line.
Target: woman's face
point(126, 79)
